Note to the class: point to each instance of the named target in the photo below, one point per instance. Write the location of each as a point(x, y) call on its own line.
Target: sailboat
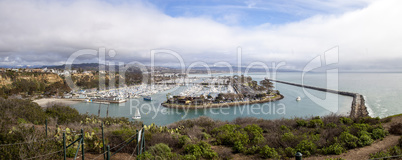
point(137, 114)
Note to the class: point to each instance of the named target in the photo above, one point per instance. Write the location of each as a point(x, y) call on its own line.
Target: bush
point(306, 147)
point(380, 154)
point(301, 123)
point(379, 133)
point(361, 127)
point(13, 109)
point(183, 140)
point(288, 137)
point(290, 152)
point(284, 128)
point(64, 114)
point(238, 147)
point(205, 136)
point(315, 123)
point(268, 152)
point(394, 151)
point(345, 120)
point(348, 140)
point(158, 151)
point(228, 134)
point(400, 142)
point(365, 140)
point(331, 125)
point(396, 129)
point(255, 133)
point(201, 149)
point(252, 150)
point(335, 148)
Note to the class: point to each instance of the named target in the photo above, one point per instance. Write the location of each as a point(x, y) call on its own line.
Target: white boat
point(137, 114)
point(298, 98)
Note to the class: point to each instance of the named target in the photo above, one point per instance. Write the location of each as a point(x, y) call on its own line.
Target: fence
point(107, 154)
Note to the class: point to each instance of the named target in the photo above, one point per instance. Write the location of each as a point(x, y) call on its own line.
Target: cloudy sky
point(44, 32)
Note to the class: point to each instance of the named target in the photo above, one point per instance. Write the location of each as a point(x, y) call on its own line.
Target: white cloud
point(48, 32)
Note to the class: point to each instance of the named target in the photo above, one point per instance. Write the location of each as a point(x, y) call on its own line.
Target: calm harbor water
point(380, 89)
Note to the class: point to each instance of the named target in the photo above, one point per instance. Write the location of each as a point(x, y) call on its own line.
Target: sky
point(367, 33)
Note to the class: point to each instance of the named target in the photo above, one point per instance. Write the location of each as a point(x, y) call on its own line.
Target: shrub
point(380, 154)
point(268, 152)
point(335, 148)
point(252, 150)
point(400, 142)
point(224, 153)
point(365, 140)
point(201, 149)
point(315, 123)
point(379, 133)
point(306, 147)
point(284, 128)
point(205, 136)
point(238, 147)
point(361, 127)
point(21, 121)
point(345, 120)
point(64, 114)
point(290, 152)
point(228, 134)
point(369, 120)
point(287, 137)
point(348, 140)
point(158, 151)
point(25, 109)
point(396, 129)
point(331, 125)
point(396, 150)
point(183, 140)
point(255, 133)
point(301, 123)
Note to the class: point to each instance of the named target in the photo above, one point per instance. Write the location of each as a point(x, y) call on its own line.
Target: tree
point(267, 84)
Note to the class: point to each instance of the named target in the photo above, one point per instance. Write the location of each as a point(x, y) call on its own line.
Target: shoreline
point(44, 102)
point(217, 105)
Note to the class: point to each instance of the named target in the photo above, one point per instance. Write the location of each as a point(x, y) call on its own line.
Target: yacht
point(147, 98)
point(298, 98)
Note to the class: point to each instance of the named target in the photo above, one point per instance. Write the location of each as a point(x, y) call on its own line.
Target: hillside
point(330, 136)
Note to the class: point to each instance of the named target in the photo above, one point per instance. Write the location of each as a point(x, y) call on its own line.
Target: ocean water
point(381, 90)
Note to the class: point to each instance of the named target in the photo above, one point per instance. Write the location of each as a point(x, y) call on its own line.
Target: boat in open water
point(137, 114)
point(147, 98)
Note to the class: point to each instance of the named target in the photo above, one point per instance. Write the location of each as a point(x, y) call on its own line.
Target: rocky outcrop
point(359, 108)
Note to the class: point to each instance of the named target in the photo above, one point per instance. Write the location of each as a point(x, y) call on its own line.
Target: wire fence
point(396, 156)
point(12, 144)
point(45, 155)
point(63, 150)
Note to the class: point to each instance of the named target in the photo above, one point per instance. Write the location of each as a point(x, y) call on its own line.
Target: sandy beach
point(44, 102)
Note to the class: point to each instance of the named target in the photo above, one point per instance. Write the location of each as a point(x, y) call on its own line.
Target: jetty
point(358, 107)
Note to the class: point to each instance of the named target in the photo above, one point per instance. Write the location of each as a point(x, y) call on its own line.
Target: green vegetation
point(393, 151)
point(27, 83)
point(201, 138)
